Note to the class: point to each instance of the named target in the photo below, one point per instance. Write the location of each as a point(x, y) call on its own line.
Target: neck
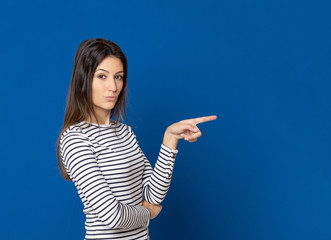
point(101, 117)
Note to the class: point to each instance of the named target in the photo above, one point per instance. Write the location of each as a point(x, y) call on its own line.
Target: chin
point(106, 108)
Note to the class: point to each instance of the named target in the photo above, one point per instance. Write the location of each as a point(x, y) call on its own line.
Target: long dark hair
point(79, 100)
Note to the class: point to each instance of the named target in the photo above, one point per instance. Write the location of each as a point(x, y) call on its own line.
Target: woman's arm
point(80, 162)
point(157, 181)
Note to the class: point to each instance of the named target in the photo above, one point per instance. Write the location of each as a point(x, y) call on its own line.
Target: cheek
point(97, 92)
point(97, 88)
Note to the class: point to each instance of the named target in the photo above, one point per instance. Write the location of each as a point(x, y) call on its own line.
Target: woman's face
point(107, 84)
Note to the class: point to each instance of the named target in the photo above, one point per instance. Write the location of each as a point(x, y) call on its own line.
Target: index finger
point(204, 119)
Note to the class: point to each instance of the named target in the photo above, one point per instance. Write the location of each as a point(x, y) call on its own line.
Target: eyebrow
point(100, 69)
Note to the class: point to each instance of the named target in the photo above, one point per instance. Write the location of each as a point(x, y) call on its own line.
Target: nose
point(111, 85)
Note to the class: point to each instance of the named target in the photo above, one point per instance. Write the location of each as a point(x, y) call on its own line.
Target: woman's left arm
point(156, 182)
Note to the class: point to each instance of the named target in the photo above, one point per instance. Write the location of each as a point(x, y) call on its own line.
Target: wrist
point(145, 204)
point(150, 212)
point(170, 140)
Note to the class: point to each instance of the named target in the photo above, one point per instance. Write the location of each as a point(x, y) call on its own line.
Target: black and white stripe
point(113, 176)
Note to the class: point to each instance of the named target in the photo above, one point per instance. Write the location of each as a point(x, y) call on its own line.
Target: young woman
point(120, 190)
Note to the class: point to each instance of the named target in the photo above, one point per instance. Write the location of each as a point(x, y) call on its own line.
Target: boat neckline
point(111, 124)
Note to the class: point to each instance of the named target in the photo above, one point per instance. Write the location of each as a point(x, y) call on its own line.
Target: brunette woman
point(120, 190)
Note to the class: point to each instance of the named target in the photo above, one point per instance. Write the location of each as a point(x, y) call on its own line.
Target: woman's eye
point(102, 76)
point(119, 77)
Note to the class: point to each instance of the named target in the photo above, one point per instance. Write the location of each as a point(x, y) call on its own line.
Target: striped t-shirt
point(113, 176)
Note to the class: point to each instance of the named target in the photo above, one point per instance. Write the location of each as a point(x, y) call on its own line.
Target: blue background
point(261, 171)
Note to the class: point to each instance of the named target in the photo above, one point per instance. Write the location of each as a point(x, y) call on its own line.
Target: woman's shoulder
point(121, 126)
point(86, 130)
point(73, 130)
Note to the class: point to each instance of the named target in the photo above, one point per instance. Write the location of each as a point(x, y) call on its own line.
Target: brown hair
point(79, 100)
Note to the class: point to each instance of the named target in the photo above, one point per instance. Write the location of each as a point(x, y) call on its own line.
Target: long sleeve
point(81, 165)
point(156, 182)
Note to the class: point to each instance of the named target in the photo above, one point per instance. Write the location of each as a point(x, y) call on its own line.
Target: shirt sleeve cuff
point(172, 152)
point(146, 215)
point(169, 156)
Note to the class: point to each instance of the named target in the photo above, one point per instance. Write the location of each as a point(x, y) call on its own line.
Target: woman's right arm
point(80, 162)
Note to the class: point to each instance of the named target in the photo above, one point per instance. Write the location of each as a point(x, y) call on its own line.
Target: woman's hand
point(152, 208)
point(186, 129)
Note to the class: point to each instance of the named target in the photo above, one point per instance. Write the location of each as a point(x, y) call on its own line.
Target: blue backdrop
point(261, 171)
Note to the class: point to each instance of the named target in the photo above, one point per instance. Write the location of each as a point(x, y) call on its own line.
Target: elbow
point(153, 196)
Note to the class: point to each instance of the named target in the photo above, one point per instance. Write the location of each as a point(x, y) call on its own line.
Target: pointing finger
point(204, 119)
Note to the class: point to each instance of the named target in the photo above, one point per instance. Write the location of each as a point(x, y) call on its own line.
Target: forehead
point(111, 64)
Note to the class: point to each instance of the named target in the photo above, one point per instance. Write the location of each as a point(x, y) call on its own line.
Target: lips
point(111, 98)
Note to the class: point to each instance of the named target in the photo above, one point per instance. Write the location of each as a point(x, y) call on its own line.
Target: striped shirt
point(113, 176)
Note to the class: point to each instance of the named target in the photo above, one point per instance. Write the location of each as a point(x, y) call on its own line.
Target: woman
point(120, 190)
